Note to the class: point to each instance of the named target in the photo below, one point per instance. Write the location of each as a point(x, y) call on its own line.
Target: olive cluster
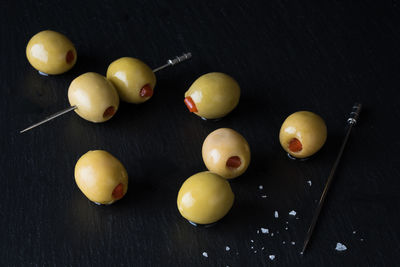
point(206, 197)
point(203, 198)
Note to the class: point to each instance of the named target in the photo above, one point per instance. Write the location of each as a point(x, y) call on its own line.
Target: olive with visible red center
point(302, 134)
point(51, 52)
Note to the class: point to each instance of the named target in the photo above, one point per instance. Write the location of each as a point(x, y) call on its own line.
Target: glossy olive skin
point(222, 144)
point(308, 128)
point(130, 75)
point(95, 96)
point(205, 198)
point(51, 52)
point(215, 94)
point(98, 174)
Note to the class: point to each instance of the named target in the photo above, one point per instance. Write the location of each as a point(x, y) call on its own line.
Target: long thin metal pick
point(170, 62)
point(351, 121)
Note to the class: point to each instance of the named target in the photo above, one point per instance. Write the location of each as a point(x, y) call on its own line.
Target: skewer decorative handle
point(174, 61)
point(354, 114)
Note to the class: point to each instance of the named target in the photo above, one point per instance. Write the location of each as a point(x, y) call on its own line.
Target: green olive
point(205, 198)
point(302, 134)
point(134, 80)
point(226, 152)
point(101, 177)
point(213, 95)
point(51, 52)
point(94, 96)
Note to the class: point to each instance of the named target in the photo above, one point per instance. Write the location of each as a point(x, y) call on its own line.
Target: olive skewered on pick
point(134, 80)
point(94, 98)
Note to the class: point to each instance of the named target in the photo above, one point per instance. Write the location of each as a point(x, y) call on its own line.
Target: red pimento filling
point(70, 57)
point(118, 192)
point(295, 145)
point(109, 112)
point(233, 162)
point(146, 91)
point(190, 104)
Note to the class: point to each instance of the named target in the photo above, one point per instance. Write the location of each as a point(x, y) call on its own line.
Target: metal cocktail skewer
point(170, 62)
point(351, 121)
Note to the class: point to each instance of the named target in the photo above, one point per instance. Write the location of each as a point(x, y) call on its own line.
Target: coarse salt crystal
point(227, 248)
point(252, 241)
point(260, 187)
point(271, 257)
point(205, 254)
point(258, 231)
point(276, 214)
point(264, 196)
point(340, 247)
point(293, 243)
point(293, 213)
point(272, 234)
point(264, 230)
point(309, 182)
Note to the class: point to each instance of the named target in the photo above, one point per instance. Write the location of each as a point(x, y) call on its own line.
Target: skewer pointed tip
point(55, 115)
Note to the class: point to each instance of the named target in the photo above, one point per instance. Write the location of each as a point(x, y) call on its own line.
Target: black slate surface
point(286, 55)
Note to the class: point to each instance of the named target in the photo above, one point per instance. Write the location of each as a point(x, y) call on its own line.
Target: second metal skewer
point(351, 121)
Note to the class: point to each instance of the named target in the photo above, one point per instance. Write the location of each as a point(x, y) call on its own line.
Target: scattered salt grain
point(262, 248)
point(227, 248)
point(354, 232)
point(252, 247)
point(362, 239)
point(283, 242)
point(205, 254)
point(293, 243)
point(272, 234)
point(264, 230)
point(309, 182)
point(276, 214)
point(260, 187)
point(340, 247)
point(287, 222)
point(271, 257)
point(286, 228)
point(258, 231)
point(252, 241)
point(255, 251)
point(293, 213)
point(264, 196)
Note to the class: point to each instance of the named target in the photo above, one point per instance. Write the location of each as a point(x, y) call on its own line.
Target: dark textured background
point(286, 55)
